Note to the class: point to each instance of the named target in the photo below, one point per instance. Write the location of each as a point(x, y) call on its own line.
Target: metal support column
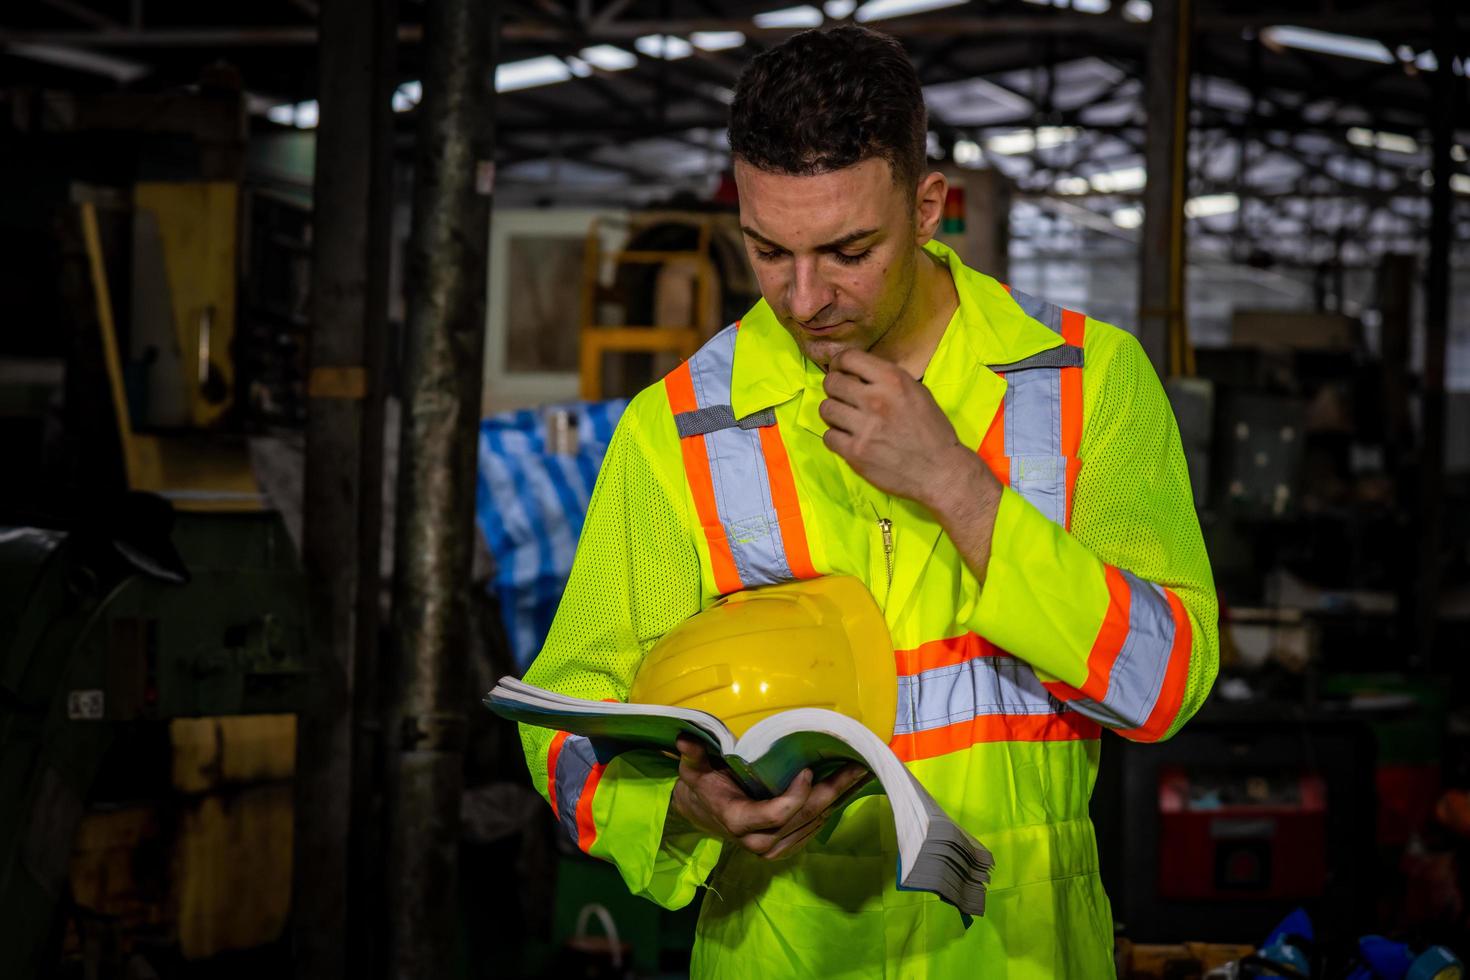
point(1161, 258)
point(1447, 88)
point(435, 528)
point(343, 480)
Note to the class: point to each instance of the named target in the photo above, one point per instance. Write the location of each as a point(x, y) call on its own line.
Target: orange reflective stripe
point(993, 446)
point(680, 388)
point(586, 828)
point(943, 653)
point(553, 754)
point(788, 508)
point(1171, 694)
point(1068, 726)
point(1074, 330)
point(1072, 327)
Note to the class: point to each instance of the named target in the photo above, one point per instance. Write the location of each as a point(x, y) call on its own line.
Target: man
point(1006, 478)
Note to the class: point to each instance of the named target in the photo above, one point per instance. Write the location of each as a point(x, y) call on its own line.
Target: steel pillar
point(343, 478)
point(1161, 257)
point(1446, 88)
point(435, 526)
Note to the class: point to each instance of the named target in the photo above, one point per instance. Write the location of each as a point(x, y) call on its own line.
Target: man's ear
point(929, 206)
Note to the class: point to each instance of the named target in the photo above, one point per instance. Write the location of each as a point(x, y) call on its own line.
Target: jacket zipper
point(886, 527)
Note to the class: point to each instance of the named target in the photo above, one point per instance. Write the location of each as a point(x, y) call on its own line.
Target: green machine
point(104, 635)
point(153, 653)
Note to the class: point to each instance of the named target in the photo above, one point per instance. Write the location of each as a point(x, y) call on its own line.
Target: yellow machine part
point(198, 223)
point(820, 643)
point(195, 472)
point(211, 867)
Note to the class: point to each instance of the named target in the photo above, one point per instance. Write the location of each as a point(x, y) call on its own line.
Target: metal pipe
point(343, 500)
point(436, 495)
point(1161, 327)
point(1431, 549)
point(626, 30)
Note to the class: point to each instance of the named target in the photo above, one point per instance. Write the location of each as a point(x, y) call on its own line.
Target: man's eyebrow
point(832, 246)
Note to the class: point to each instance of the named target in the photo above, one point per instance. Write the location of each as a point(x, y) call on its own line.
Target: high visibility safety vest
point(1097, 611)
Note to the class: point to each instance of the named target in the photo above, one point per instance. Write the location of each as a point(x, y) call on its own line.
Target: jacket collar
point(988, 328)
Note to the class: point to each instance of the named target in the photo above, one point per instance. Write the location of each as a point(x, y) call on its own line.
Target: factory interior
point(317, 318)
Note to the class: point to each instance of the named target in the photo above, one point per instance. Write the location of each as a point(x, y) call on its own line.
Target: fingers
point(840, 415)
point(859, 363)
point(754, 817)
point(844, 387)
point(825, 797)
point(692, 753)
point(846, 778)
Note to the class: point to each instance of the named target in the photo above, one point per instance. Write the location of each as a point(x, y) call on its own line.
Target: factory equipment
point(153, 631)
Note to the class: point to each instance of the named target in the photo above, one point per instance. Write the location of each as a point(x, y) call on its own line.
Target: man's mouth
point(824, 330)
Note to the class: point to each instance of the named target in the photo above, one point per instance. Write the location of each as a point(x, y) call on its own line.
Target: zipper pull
point(886, 526)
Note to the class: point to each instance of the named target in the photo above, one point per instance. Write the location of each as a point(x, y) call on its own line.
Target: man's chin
point(821, 350)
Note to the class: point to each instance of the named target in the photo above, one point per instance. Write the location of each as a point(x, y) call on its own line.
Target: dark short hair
point(825, 100)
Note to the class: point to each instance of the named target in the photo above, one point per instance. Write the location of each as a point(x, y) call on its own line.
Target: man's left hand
point(891, 431)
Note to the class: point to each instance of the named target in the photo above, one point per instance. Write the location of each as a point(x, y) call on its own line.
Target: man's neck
point(931, 305)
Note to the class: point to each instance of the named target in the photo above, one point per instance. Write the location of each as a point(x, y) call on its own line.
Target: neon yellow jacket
point(1055, 610)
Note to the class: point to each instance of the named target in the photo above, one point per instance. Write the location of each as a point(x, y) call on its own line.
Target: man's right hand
point(714, 803)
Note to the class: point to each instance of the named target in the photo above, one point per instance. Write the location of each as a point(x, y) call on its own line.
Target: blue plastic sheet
point(530, 504)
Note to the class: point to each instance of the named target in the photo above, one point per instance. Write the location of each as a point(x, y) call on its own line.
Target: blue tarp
point(530, 505)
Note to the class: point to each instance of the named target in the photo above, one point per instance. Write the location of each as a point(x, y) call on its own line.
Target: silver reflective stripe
point(573, 766)
point(1048, 314)
point(737, 466)
point(959, 692)
point(1066, 355)
point(703, 421)
point(995, 685)
point(1033, 431)
point(1138, 674)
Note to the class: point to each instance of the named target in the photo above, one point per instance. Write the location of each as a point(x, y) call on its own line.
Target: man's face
point(835, 252)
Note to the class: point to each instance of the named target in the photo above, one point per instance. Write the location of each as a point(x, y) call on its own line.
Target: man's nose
point(809, 294)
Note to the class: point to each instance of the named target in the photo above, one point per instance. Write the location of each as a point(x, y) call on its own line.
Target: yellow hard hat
point(820, 643)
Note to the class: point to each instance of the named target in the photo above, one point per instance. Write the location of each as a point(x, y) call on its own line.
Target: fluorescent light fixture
point(1026, 140)
point(967, 153)
point(884, 9)
point(717, 40)
point(1458, 154)
point(1072, 185)
point(578, 67)
point(1393, 142)
point(120, 70)
point(1460, 183)
point(308, 113)
point(1138, 11)
point(1209, 205)
point(1092, 6)
point(544, 70)
point(284, 115)
point(803, 16)
point(608, 58)
point(838, 9)
point(1130, 217)
point(407, 95)
point(665, 46)
point(1118, 181)
point(1342, 45)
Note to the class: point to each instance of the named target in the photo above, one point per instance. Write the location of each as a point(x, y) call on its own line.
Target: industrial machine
point(153, 629)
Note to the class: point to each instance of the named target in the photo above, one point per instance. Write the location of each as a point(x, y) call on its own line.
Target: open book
point(934, 853)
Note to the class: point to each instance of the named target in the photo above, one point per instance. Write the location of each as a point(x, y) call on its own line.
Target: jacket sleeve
point(635, 575)
point(1119, 616)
